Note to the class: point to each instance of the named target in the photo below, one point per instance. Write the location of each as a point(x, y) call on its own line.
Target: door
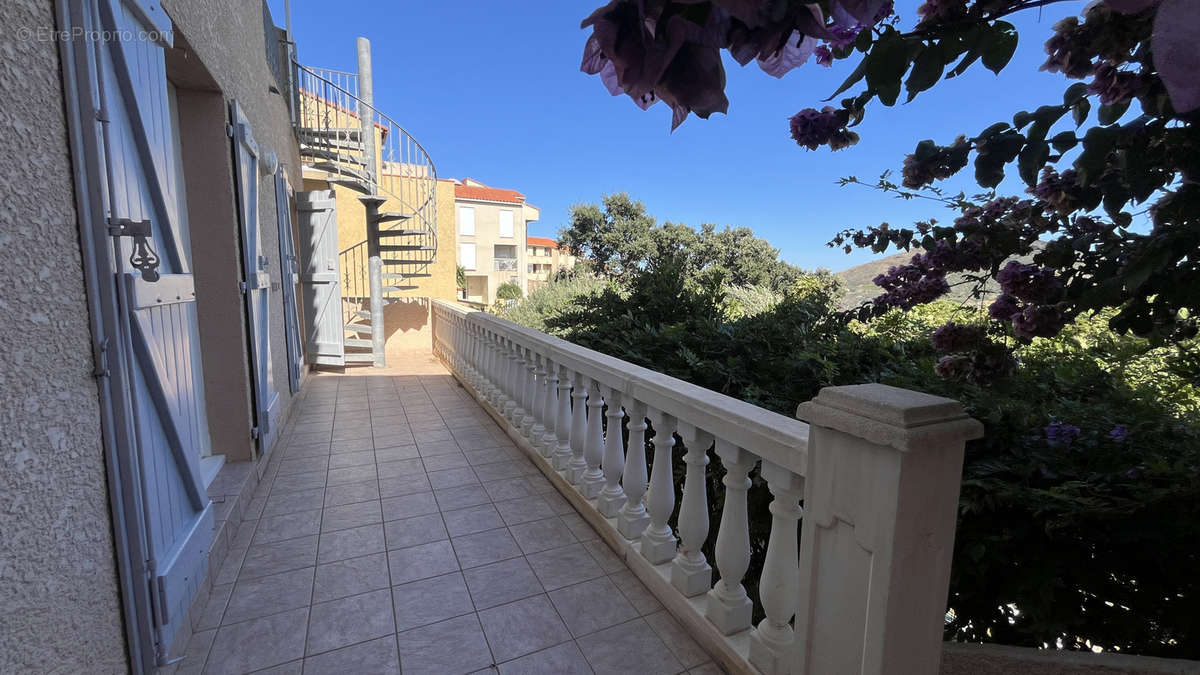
point(290, 277)
point(256, 287)
point(149, 255)
point(321, 280)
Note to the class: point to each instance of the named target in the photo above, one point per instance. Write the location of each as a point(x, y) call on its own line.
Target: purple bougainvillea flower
point(824, 56)
point(1063, 434)
point(1176, 57)
point(864, 11)
point(794, 53)
point(1119, 433)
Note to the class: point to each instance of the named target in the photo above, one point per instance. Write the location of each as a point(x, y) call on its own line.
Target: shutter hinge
point(101, 359)
point(102, 116)
point(229, 130)
point(254, 433)
point(242, 287)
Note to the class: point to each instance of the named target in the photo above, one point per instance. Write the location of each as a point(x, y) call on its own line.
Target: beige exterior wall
point(545, 262)
point(407, 319)
point(58, 580)
point(483, 281)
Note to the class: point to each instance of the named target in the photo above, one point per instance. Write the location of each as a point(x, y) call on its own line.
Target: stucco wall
point(228, 38)
point(487, 237)
point(58, 585)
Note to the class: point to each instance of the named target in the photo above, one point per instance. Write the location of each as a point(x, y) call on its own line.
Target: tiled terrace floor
point(400, 530)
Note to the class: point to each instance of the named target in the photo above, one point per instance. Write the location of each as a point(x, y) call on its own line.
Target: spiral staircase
point(357, 147)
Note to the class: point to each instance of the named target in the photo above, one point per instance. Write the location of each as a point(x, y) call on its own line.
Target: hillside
point(860, 289)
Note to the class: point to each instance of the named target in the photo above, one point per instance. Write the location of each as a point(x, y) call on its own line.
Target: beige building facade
point(492, 225)
point(546, 260)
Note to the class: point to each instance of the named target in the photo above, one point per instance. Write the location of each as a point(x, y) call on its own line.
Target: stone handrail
point(868, 579)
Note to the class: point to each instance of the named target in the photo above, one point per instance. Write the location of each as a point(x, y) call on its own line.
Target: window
point(506, 223)
point(466, 220)
point(466, 256)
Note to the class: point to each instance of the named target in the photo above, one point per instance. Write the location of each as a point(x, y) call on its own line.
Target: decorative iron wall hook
point(143, 258)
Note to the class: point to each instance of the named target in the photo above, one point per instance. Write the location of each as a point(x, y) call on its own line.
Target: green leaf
point(1080, 110)
point(886, 65)
point(1075, 93)
point(854, 78)
point(1111, 113)
point(926, 71)
point(1000, 46)
point(974, 39)
point(1031, 160)
point(1064, 141)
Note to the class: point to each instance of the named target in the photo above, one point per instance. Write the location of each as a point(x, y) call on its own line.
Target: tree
point(1121, 142)
point(614, 236)
point(508, 291)
point(460, 277)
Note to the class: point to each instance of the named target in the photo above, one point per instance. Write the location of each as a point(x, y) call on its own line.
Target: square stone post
point(877, 537)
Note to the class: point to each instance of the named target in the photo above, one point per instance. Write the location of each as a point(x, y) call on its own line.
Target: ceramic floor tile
point(413, 531)
point(485, 547)
point(272, 594)
point(501, 582)
point(564, 566)
point(631, 647)
point(447, 648)
point(472, 519)
point(407, 506)
point(563, 659)
point(522, 627)
point(591, 606)
point(420, 562)
point(258, 643)
point(377, 657)
point(352, 543)
point(349, 516)
point(427, 601)
point(347, 621)
point(265, 559)
point(351, 576)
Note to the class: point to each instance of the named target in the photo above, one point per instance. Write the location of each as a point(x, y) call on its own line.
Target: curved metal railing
point(331, 140)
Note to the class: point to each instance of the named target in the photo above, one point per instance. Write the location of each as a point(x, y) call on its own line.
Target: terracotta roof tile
point(488, 194)
point(541, 241)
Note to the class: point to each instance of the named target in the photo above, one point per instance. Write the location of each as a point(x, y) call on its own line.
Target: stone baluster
point(531, 387)
point(548, 442)
point(509, 389)
point(612, 497)
point(537, 428)
point(489, 369)
point(658, 542)
point(771, 642)
point(577, 466)
point(691, 574)
point(633, 518)
point(518, 384)
point(562, 426)
point(729, 607)
point(593, 451)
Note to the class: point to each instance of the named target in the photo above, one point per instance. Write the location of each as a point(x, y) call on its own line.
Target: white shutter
point(506, 224)
point(466, 256)
point(466, 220)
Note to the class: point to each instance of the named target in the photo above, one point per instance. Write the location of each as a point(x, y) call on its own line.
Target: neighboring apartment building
point(546, 259)
point(492, 224)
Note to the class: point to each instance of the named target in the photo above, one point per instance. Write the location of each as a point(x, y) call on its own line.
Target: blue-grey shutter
point(257, 280)
point(289, 278)
point(160, 311)
point(321, 279)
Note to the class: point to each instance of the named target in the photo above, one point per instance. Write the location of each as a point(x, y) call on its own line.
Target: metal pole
point(366, 113)
point(366, 118)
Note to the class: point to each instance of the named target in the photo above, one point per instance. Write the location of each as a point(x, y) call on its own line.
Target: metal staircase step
point(344, 171)
point(362, 314)
point(358, 327)
point(389, 216)
point(405, 275)
point(360, 358)
point(400, 232)
point(356, 185)
point(306, 151)
point(330, 144)
point(393, 261)
point(336, 133)
point(393, 289)
point(406, 247)
point(358, 342)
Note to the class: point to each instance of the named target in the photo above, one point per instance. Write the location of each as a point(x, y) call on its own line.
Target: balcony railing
point(878, 473)
point(505, 264)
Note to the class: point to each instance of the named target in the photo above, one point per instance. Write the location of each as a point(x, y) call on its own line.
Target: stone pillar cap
point(885, 415)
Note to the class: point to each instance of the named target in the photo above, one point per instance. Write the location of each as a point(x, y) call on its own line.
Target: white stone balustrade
point(866, 581)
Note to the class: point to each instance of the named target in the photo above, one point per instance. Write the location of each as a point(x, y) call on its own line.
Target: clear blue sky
point(494, 92)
